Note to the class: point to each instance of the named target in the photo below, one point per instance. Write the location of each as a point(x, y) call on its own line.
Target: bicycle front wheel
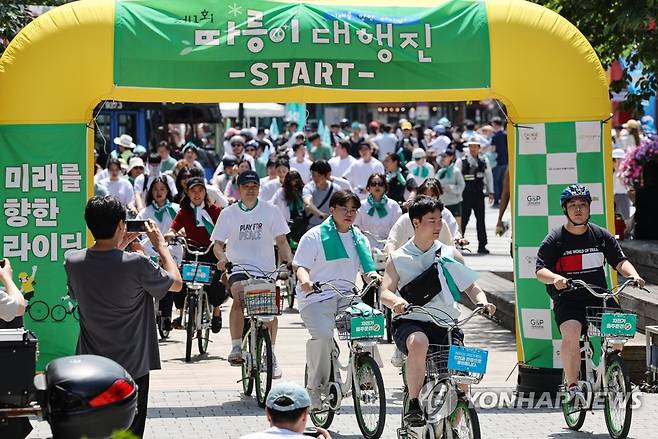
point(190, 327)
point(464, 420)
point(58, 313)
point(369, 397)
point(203, 333)
point(264, 365)
point(38, 310)
point(618, 401)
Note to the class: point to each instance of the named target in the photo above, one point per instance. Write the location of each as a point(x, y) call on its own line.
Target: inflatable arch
point(58, 69)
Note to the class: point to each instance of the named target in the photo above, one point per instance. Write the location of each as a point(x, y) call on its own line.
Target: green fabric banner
point(259, 44)
point(549, 157)
point(42, 172)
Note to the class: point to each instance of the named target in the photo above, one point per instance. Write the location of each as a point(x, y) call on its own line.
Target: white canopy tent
point(265, 109)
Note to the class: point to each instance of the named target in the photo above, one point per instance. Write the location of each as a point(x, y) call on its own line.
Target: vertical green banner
point(549, 157)
point(42, 172)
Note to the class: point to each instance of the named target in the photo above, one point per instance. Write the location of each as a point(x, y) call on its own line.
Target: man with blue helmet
point(577, 250)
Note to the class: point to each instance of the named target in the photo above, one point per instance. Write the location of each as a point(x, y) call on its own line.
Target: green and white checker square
point(549, 157)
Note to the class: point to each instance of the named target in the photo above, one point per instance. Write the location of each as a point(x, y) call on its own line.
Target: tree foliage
point(14, 16)
point(618, 28)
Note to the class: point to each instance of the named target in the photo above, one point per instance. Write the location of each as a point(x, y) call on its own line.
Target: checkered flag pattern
point(549, 157)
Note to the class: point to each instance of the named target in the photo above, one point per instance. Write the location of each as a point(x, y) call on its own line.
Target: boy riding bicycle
point(410, 268)
point(577, 250)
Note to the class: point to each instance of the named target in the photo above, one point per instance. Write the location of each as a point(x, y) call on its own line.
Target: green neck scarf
point(202, 218)
point(463, 272)
point(160, 211)
point(446, 172)
point(397, 175)
point(421, 171)
point(334, 249)
point(296, 207)
point(377, 206)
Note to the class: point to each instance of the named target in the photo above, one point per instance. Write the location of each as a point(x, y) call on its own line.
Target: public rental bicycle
point(362, 327)
point(197, 311)
point(262, 303)
point(608, 329)
point(447, 411)
point(380, 258)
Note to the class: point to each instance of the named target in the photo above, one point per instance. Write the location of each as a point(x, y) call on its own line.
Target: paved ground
point(202, 399)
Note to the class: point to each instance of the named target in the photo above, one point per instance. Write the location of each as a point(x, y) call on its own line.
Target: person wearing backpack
point(577, 250)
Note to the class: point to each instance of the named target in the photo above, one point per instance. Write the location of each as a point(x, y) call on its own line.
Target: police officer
point(479, 180)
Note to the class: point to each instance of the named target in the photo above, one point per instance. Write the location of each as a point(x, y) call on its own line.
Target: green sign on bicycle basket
point(367, 327)
point(618, 324)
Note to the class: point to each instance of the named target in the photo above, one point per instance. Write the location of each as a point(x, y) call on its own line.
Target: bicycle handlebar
point(183, 241)
point(317, 288)
point(280, 269)
point(443, 323)
point(573, 283)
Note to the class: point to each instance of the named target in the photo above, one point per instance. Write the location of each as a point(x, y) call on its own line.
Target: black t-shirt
point(580, 257)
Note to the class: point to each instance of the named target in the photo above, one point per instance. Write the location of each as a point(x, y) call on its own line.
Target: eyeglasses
point(345, 211)
point(376, 183)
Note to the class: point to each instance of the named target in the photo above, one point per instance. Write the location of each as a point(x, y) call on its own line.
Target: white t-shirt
point(121, 188)
point(279, 201)
point(386, 142)
point(142, 191)
point(310, 255)
point(340, 166)
point(304, 168)
point(440, 144)
point(412, 166)
point(165, 225)
point(268, 190)
point(8, 306)
point(380, 227)
point(342, 183)
point(410, 262)
point(360, 172)
point(275, 433)
point(249, 235)
point(216, 196)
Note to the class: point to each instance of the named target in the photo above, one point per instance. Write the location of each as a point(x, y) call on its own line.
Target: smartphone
point(136, 225)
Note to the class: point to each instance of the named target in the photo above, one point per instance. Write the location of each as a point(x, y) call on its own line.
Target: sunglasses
point(376, 184)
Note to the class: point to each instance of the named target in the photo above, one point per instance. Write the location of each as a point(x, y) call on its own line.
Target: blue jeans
point(498, 177)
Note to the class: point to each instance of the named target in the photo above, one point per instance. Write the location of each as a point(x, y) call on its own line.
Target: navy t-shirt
point(499, 140)
point(580, 256)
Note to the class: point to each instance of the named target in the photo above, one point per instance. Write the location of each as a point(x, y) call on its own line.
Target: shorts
point(236, 277)
point(575, 307)
point(455, 209)
point(403, 328)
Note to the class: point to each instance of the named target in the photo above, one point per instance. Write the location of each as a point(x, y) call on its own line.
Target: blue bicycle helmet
point(573, 191)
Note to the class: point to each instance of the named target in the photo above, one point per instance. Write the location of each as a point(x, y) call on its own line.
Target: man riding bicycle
point(577, 250)
point(245, 235)
point(332, 250)
point(412, 264)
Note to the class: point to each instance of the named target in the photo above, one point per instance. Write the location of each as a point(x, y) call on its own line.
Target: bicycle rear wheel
point(464, 420)
point(369, 397)
point(58, 313)
point(264, 365)
point(190, 327)
point(203, 333)
point(248, 364)
point(38, 310)
point(618, 401)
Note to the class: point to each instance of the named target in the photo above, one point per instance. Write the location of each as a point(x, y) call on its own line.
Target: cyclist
point(162, 210)
point(414, 332)
point(577, 250)
point(245, 234)
point(331, 250)
point(378, 214)
point(195, 220)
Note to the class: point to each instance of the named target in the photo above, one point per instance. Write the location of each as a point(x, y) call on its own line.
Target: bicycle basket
point(358, 327)
point(616, 322)
point(197, 272)
point(262, 299)
point(441, 362)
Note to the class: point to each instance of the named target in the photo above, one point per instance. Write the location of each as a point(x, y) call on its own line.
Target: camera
point(136, 225)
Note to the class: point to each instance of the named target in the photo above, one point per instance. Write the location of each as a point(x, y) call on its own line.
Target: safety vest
point(473, 176)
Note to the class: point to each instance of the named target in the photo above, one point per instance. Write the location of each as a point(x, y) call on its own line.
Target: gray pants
point(319, 319)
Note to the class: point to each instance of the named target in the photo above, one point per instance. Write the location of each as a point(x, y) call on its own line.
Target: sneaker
point(176, 323)
point(414, 416)
point(483, 251)
point(276, 370)
point(166, 324)
point(216, 324)
point(397, 360)
point(316, 399)
point(235, 357)
point(576, 396)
